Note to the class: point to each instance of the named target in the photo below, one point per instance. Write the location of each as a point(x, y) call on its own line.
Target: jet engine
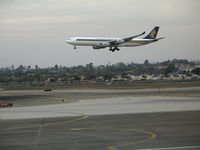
point(101, 45)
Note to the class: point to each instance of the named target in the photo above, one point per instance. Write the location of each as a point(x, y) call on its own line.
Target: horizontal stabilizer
point(159, 38)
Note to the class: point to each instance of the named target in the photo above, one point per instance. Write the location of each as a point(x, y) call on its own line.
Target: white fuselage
point(92, 41)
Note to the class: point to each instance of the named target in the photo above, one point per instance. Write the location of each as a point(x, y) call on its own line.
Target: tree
point(20, 69)
point(90, 67)
point(196, 71)
point(76, 77)
point(91, 76)
point(13, 67)
point(107, 76)
point(146, 62)
point(124, 75)
point(170, 68)
point(56, 67)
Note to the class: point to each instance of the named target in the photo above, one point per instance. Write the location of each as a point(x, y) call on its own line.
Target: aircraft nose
point(68, 41)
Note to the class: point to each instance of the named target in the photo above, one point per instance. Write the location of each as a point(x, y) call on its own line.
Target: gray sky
point(34, 31)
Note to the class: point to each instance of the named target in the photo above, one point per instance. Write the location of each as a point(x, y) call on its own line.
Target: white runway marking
point(39, 132)
point(173, 148)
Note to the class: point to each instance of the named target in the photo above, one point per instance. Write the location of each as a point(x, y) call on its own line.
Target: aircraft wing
point(115, 43)
point(132, 37)
point(124, 40)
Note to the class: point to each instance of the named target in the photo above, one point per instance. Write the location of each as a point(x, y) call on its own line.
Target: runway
point(125, 120)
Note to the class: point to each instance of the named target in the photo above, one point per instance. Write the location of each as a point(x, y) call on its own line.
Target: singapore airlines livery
point(114, 43)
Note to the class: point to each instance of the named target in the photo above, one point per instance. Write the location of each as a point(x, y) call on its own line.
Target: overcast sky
point(34, 31)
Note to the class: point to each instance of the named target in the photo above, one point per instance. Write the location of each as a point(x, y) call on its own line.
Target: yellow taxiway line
point(153, 136)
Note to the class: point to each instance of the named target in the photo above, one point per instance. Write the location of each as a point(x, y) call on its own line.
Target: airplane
point(115, 43)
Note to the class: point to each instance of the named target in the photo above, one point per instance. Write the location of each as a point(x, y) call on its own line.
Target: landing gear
point(74, 47)
point(114, 49)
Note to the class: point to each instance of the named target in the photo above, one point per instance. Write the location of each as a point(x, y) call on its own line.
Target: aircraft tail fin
point(152, 34)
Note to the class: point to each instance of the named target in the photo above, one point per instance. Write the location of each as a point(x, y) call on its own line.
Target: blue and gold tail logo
point(152, 34)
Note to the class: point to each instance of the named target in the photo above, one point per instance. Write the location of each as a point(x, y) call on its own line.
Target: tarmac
point(168, 119)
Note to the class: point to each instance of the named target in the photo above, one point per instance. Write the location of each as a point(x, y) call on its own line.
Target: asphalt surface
point(121, 132)
point(39, 97)
point(101, 119)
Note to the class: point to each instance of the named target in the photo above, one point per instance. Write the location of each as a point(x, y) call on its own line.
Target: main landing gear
point(74, 47)
point(114, 49)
